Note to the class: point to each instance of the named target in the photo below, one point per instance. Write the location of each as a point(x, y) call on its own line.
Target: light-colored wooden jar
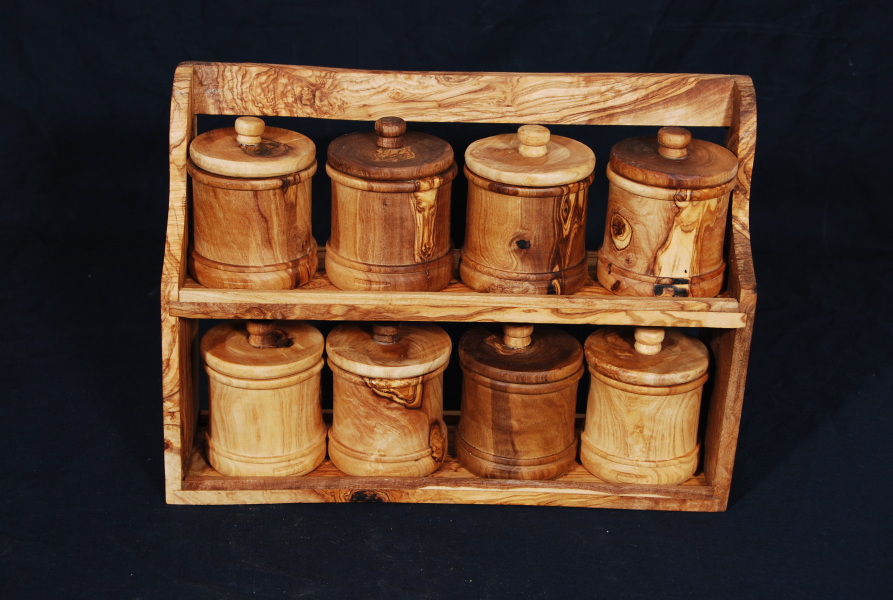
point(667, 214)
point(390, 210)
point(519, 393)
point(387, 413)
point(251, 207)
point(644, 403)
point(265, 417)
point(526, 213)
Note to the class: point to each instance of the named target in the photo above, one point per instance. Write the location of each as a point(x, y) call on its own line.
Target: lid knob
point(385, 332)
point(673, 141)
point(390, 132)
point(533, 140)
point(263, 334)
point(516, 336)
point(648, 340)
point(249, 130)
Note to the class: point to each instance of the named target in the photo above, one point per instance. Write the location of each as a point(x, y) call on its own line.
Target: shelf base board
point(451, 484)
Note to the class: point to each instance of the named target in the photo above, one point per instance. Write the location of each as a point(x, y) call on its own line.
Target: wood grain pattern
point(522, 240)
point(265, 410)
point(320, 300)
point(389, 153)
point(451, 483)
point(518, 403)
point(530, 158)
point(662, 247)
point(545, 98)
point(387, 411)
point(597, 99)
point(390, 236)
point(643, 426)
point(252, 233)
point(273, 151)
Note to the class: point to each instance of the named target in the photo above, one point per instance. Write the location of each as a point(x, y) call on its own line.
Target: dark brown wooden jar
point(667, 212)
point(644, 404)
point(387, 413)
point(251, 207)
point(265, 417)
point(519, 393)
point(390, 210)
point(526, 215)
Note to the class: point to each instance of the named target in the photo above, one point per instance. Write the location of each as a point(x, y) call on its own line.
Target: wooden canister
point(251, 207)
point(265, 417)
point(644, 402)
point(526, 213)
point(387, 413)
point(519, 393)
point(667, 206)
point(390, 210)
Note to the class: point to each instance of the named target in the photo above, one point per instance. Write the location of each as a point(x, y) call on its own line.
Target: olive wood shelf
point(687, 100)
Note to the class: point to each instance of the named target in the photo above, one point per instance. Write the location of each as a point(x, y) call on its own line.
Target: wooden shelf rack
point(726, 322)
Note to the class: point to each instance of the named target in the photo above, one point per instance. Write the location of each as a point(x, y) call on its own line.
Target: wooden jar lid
point(225, 349)
point(250, 149)
point(531, 157)
point(388, 350)
point(550, 355)
point(677, 359)
point(390, 153)
point(672, 159)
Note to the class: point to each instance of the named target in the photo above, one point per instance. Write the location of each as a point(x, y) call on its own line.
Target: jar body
point(252, 233)
point(383, 426)
point(663, 242)
point(641, 434)
point(524, 240)
point(259, 425)
point(519, 394)
point(390, 235)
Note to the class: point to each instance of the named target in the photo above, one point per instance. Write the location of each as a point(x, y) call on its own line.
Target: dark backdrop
point(84, 99)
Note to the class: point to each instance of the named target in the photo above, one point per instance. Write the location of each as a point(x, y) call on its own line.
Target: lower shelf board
point(451, 484)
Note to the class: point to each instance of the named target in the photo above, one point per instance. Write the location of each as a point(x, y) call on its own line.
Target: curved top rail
point(469, 97)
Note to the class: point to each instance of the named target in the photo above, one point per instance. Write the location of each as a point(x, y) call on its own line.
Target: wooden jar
point(644, 402)
point(667, 207)
point(390, 210)
point(265, 417)
point(526, 216)
point(519, 393)
point(251, 207)
point(387, 414)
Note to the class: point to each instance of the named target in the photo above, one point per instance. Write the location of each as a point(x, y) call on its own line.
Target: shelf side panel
point(731, 351)
point(741, 139)
point(180, 398)
point(547, 98)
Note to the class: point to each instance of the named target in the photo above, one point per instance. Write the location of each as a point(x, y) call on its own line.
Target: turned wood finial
point(263, 334)
point(385, 332)
point(673, 141)
point(533, 140)
point(649, 339)
point(516, 336)
point(390, 132)
point(249, 130)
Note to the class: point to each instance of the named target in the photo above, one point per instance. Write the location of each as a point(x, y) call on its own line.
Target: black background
point(84, 93)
